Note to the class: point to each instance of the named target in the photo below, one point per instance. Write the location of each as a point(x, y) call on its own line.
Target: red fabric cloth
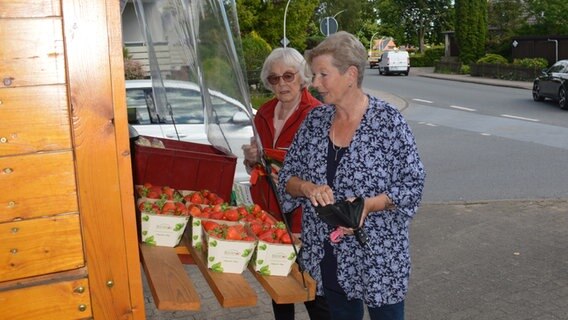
point(261, 191)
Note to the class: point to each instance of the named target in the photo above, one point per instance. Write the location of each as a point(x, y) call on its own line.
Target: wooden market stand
point(69, 245)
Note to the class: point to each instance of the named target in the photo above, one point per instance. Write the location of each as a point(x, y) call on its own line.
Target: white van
point(394, 61)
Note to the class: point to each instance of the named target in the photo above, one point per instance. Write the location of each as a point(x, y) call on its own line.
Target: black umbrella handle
point(361, 237)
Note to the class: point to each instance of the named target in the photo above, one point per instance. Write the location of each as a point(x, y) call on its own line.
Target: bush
point(433, 55)
point(429, 59)
point(418, 60)
point(493, 58)
point(255, 50)
point(536, 63)
point(133, 70)
point(465, 69)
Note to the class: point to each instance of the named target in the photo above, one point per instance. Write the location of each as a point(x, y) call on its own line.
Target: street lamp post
point(285, 40)
point(556, 49)
point(335, 15)
point(371, 43)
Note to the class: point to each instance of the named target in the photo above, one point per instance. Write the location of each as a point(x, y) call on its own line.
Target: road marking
point(422, 100)
point(463, 108)
point(496, 125)
point(519, 118)
point(485, 134)
point(427, 124)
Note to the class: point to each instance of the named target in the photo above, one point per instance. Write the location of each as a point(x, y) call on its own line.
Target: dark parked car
point(553, 84)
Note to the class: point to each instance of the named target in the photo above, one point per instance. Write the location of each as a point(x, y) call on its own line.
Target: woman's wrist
point(302, 186)
point(379, 203)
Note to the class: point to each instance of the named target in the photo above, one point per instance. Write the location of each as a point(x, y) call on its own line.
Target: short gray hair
point(346, 51)
point(291, 58)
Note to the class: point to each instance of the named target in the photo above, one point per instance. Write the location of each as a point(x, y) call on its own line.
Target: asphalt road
point(481, 142)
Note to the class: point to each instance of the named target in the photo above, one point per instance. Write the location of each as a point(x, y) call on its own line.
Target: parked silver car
point(186, 121)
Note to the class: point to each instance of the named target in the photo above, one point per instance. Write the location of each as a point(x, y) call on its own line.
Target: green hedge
point(429, 59)
point(537, 63)
point(493, 58)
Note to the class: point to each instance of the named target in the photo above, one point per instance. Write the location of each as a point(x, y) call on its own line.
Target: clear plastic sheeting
point(196, 42)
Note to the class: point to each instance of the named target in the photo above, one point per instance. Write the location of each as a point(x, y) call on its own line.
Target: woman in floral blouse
point(355, 145)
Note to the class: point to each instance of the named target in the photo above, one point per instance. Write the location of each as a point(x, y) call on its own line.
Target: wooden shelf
point(171, 287)
point(290, 289)
point(173, 290)
point(231, 289)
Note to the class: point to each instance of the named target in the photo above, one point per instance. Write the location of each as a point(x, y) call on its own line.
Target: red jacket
point(261, 191)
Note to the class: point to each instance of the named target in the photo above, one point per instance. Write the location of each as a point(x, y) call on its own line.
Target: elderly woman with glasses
point(284, 73)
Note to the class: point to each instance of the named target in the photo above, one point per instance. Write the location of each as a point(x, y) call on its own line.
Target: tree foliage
point(267, 19)
point(504, 19)
point(546, 17)
point(255, 50)
point(422, 17)
point(471, 29)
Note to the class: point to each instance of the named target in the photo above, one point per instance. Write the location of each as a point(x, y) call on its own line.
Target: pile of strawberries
point(203, 197)
point(164, 207)
point(167, 200)
point(226, 232)
point(208, 205)
point(277, 233)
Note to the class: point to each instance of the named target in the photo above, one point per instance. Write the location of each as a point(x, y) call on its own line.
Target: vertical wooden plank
point(124, 158)
point(89, 55)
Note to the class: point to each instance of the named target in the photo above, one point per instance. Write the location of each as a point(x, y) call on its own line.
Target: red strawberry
point(243, 212)
point(209, 225)
point(286, 239)
point(169, 192)
point(151, 194)
point(143, 190)
point(234, 233)
point(219, 207)
point(194, 210)
point(267, 236)
point(169, 208)
point(149, 207)
point(256, 209)
point(181, 209)
point(231, 215)
point(216, 215)
point(256, 228)
point(195, 197)
point(278, 233)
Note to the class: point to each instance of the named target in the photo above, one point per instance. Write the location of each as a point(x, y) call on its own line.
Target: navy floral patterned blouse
point(382, 158)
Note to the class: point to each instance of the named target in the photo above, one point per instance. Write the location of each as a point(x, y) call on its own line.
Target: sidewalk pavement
point(492, 260)
point(429, 73)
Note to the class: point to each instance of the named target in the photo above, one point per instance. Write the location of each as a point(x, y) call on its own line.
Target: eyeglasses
point(287, 77)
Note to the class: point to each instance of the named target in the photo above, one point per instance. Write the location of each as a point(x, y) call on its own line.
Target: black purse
point(345, 214)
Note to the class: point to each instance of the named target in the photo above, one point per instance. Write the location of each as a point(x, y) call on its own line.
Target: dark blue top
point(329, 262)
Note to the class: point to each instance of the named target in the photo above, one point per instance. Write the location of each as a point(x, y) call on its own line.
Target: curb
point(485, 81)
point(392, 99)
